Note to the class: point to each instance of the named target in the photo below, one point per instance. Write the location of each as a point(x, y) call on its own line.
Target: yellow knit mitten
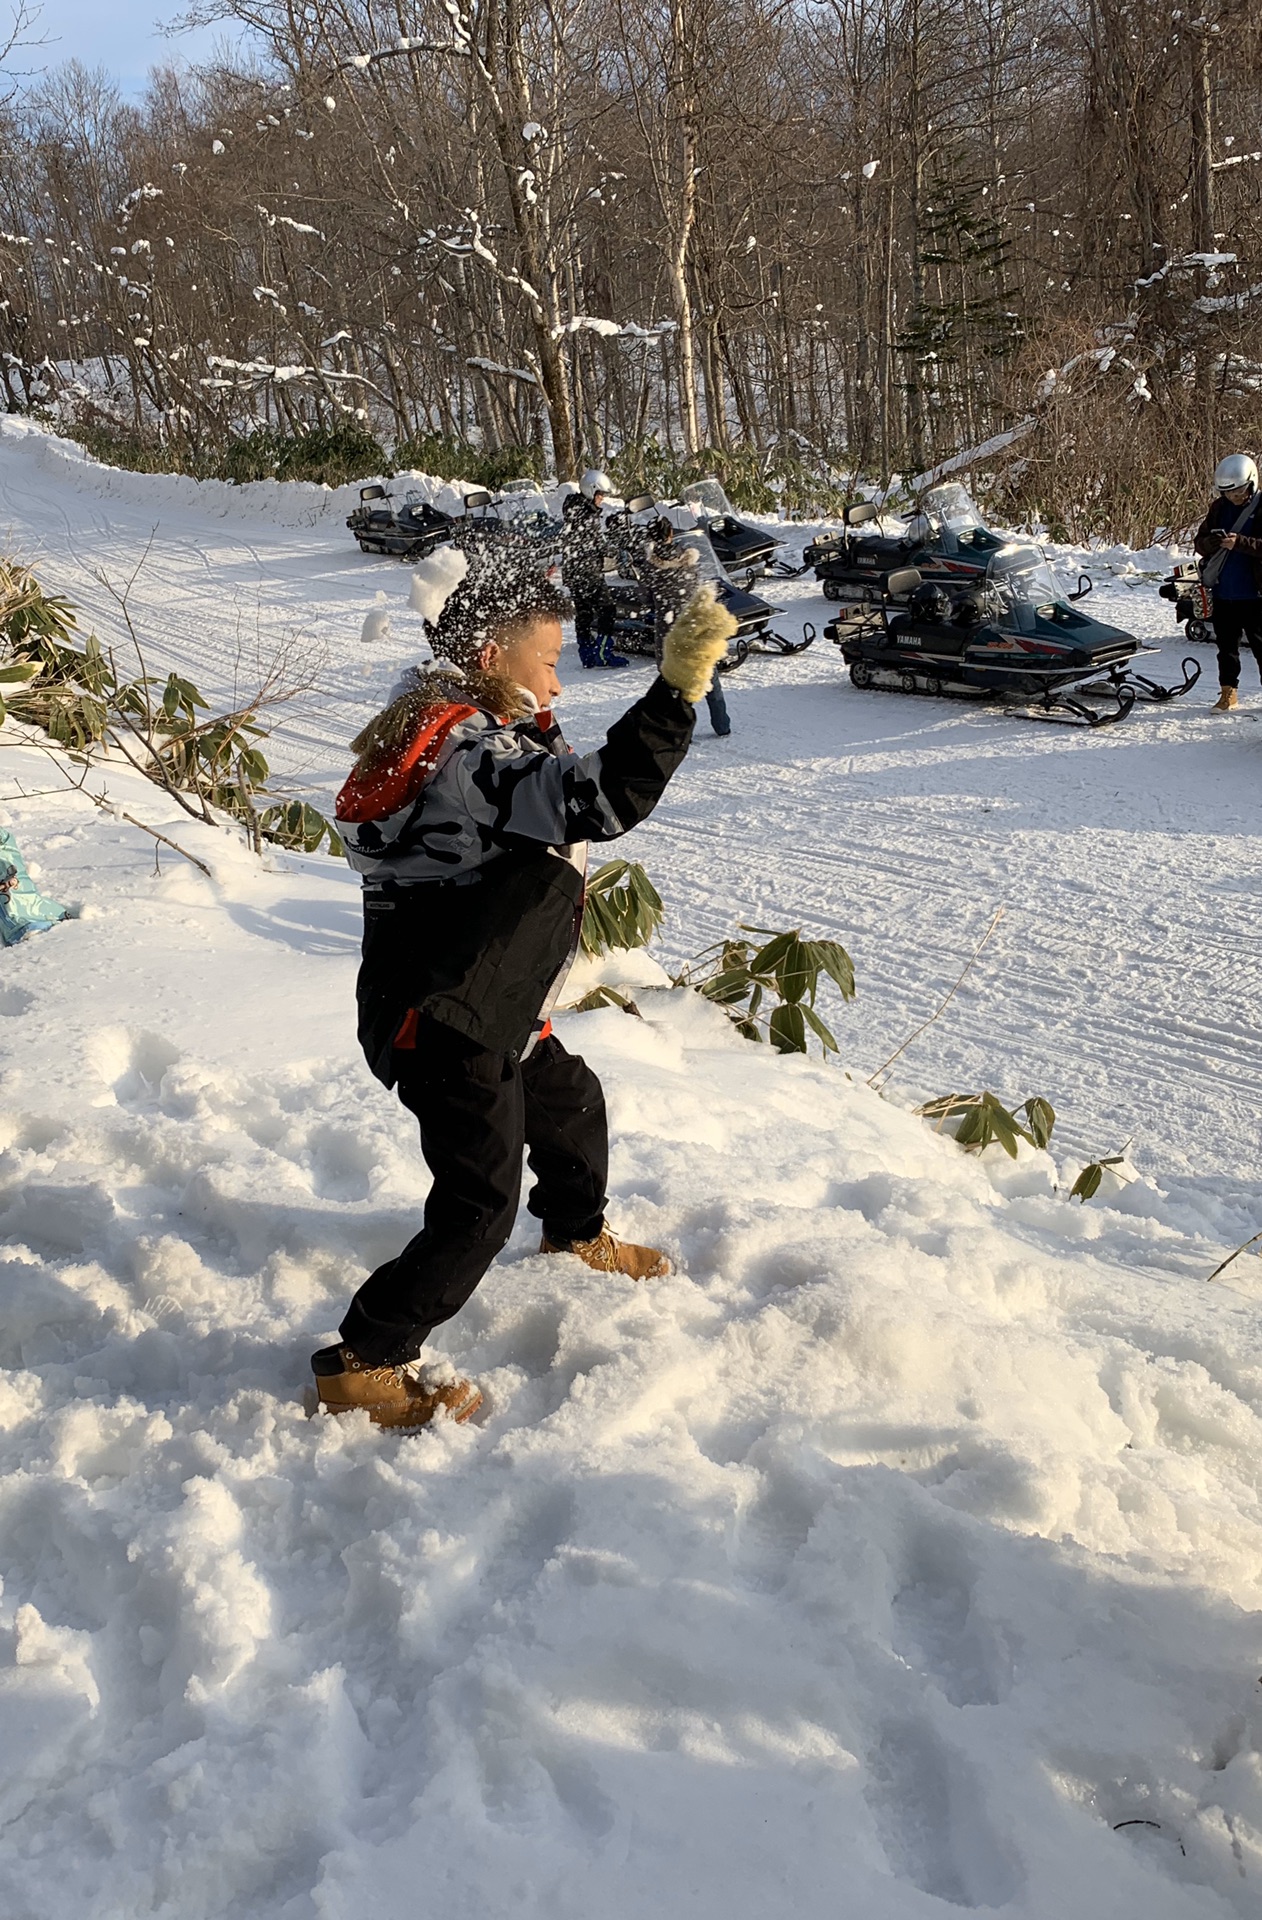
point(695, 643)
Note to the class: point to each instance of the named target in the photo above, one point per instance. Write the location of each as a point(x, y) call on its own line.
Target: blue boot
point(605, 655)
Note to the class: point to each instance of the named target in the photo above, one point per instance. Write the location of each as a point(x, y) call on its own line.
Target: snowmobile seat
point(934, 636)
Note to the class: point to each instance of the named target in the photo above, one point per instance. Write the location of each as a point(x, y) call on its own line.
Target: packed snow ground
point(901, 1555)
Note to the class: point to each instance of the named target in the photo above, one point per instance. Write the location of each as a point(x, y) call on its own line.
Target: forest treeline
point(804, 240)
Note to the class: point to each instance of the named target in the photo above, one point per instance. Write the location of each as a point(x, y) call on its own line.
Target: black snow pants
point(477, 1111)
point(1236, 621)
point(593, 616)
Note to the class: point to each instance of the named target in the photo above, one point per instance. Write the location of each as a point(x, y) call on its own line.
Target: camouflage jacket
point(469, 915)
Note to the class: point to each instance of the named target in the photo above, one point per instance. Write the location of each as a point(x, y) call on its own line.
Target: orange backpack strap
point(385, 787)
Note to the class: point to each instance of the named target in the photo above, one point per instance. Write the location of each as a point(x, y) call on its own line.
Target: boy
point(466, 813)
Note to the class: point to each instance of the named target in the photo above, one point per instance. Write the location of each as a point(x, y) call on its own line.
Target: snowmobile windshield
point(1025, 571)
point(518, 503)
point(1028, 588)
point(708, 567)
point(951, 505)
point(707, 500)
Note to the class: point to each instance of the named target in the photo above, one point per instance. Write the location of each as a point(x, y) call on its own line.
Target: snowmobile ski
point(779, 644)
point(1146, 689)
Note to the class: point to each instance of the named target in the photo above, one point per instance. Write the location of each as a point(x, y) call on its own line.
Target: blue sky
point(119, 35)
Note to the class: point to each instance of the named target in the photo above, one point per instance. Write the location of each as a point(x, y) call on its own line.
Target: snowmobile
point(946, 540)
point(1018, 642)
point(518, 514)
point(738, 546)
point(1193, 602)
point(408, 530)
point(411, 529)
point(628, 579)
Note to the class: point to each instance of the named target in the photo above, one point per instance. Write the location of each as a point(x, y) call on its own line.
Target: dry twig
point(925, 1024)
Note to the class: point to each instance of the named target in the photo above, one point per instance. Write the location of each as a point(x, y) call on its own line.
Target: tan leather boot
point(607, 1254)
point(391, 1396)
point(1227, 701)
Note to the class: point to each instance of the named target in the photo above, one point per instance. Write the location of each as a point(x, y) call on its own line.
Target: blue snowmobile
point(946, 539)
point(1017, 641)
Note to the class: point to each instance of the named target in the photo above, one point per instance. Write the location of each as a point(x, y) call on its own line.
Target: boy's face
point(528, 654)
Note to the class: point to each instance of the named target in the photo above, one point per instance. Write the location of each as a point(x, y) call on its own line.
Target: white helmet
point(594, 482)
point(1237, 470)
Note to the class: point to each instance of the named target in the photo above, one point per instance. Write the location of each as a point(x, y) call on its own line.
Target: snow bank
point(286, 503)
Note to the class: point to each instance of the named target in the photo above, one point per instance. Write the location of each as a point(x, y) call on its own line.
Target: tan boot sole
point(417, 1414)
point(660, 1269)
point(464, 1411)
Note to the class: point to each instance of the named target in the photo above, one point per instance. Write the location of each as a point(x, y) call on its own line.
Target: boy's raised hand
point(696, 643)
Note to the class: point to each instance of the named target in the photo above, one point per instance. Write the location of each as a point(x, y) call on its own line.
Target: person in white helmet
point(1229, 540)
point(583, 566)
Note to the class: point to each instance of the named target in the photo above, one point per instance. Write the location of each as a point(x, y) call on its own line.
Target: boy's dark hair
point(499, 591)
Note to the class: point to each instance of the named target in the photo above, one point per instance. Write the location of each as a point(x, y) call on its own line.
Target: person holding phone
point(1229, 540)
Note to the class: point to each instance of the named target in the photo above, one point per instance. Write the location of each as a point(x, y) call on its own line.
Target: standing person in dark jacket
point(1229, 540)
point(583, 565)
point(466, 814)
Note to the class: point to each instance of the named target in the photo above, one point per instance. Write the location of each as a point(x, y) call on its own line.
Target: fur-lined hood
point(438, 684)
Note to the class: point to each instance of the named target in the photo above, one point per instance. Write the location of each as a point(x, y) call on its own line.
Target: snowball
point(869, 168)
point(376, 622)
point(435, 580)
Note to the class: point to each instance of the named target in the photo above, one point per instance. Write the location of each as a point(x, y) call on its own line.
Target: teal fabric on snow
point(23, 908)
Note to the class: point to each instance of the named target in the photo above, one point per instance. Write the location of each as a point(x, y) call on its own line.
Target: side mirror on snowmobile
point(902, 582)
point(1085, 584)
point(639, 503)
point(373, 493)
point(861, 511)
point(477, 499)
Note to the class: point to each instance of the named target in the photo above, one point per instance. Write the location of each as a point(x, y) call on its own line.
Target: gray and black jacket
point(473, 888)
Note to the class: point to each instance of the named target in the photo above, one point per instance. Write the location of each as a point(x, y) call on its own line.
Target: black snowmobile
point(1018, 642)
point(739, 547)
point(946, 540)
point(628, 581)
point(1193, 602)
point(408, 529)
point(517, 514)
